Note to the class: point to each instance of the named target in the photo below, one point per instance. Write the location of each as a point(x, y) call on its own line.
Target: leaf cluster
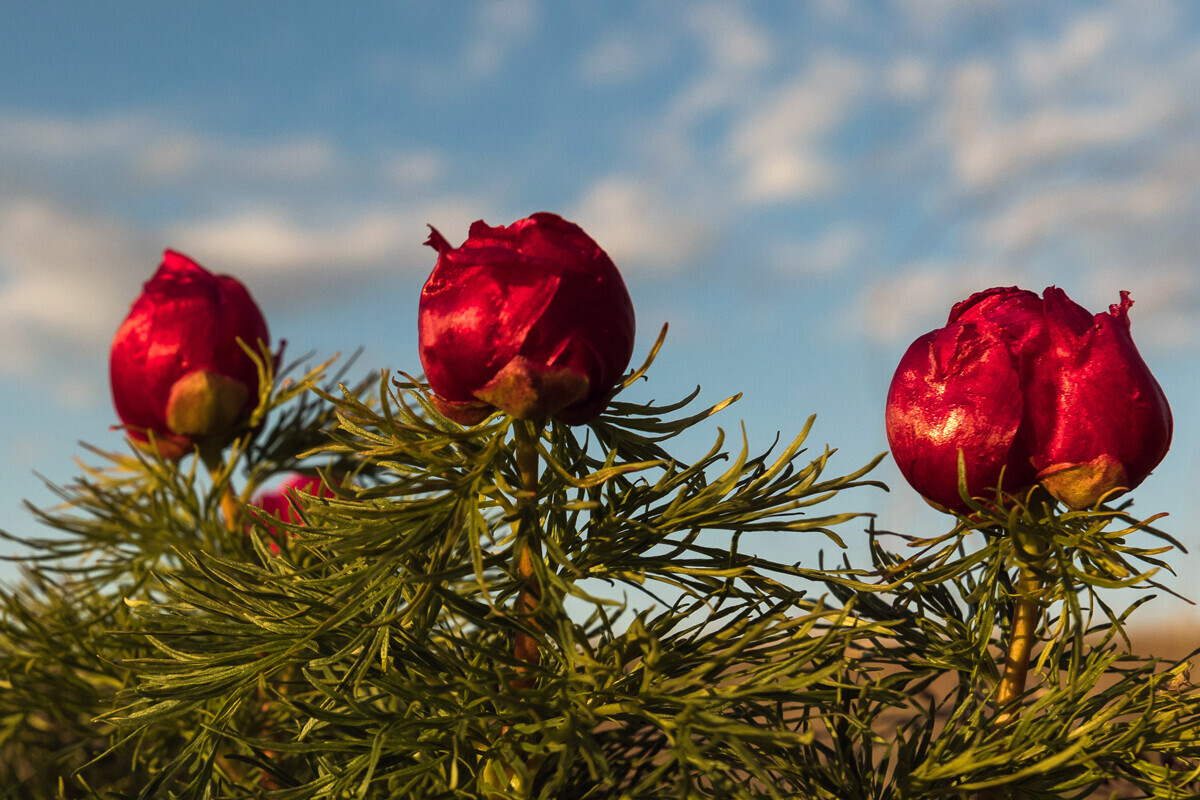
point(370, 648)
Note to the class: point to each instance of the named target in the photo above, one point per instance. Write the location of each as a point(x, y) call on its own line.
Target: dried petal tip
point(1121, 310)
point(437, 241)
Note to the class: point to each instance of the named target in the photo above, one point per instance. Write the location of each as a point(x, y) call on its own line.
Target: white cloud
point(732, 40)
point(137, 143)
point(417, 168)
point(60, 138)
point(989, 152)
point(172, 156)
point(1072, 209)
point(780, 144)
point(1084, 41)
point(623, 56)
point(631, 220)
point(1071, 157)
point(786, 173)
point(896, 309)
point(917, 298)
point(68, 278)
point(735, 51)
point(908, 76)
point(77, 392)
point(1165, 297)
point(828, 254)
point(268, 241)
point(500, 26)
point(936, 18)
point(1084, 92)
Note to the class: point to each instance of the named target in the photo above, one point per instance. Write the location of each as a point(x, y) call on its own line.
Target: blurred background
point(799, 189)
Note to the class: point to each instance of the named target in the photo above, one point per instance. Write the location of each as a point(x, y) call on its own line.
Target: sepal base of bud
point(468, 414)
point(204, 403)
point(1082, 485)
point(530, 392)
point(165, 446)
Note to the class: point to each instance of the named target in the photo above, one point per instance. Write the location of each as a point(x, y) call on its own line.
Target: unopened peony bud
point(281, 503)
point(176, 367)
point(532, 319)
point(1034, 389)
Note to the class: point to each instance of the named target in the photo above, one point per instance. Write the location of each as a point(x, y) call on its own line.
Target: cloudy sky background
point(799, 189)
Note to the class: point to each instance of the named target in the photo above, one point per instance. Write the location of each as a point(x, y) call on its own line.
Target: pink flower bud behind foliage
point(176, 367)
point(282, 502)
point(532, 319)
point(1036, 389)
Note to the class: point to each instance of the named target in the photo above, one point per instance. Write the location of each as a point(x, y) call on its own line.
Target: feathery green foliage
point(154, 649)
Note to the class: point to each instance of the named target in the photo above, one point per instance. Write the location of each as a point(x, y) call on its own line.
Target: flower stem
point(525, 647)
point(1027, 611)
point(210, 453)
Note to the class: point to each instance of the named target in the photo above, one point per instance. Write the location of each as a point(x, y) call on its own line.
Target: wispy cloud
point(286, 215)
point(1083, 42)
point(499, 27)
point(67, 276)
point(637, 226)
point(1077, 209)
point(419, 168)
point(625, 55)
point(741, 130)
point(173, 156)
point(917, 298)
point(271, 242)
point(1065, 154)
point(141, 146)
point(908, 76)
point(268, 240)
point(780, 144)
point(734, 50)
point(990, 150)
point(833, 251)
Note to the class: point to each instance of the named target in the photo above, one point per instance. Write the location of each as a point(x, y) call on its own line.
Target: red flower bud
point(532, 319)
point(1036, 389)
point(176, 367)
point(280, 503)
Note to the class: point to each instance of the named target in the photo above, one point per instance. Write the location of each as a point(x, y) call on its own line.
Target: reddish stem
point(525, 646)
point(1028, 609)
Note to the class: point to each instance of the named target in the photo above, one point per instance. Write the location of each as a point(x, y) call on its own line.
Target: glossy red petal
point(186, 320)
point(520, 317)
point(1096, 398)
point(957, 389)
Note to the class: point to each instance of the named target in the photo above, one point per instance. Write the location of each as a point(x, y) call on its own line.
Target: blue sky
point(800, 189)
